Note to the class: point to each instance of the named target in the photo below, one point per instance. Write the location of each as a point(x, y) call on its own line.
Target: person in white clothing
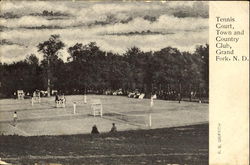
point(15, 118)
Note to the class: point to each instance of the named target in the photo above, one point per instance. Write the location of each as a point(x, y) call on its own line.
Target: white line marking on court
point(18, 130)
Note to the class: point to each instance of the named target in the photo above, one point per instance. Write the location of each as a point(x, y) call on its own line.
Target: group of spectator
point(95, 129)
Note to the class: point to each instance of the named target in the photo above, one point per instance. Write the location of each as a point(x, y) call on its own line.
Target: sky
point(114, 26)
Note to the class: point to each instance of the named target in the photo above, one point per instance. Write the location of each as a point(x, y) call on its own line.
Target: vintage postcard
point(124, 82)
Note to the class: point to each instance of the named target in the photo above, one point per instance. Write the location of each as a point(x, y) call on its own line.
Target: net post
point(85, 99)
point(150, 120)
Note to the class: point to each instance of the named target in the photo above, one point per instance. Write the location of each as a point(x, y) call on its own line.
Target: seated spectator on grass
point(94, 130)
point(113, 129)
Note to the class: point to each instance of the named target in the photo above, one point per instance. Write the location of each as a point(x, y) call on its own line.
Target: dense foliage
point(90, 69)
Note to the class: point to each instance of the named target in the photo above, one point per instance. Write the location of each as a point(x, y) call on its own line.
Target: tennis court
point(128, 113)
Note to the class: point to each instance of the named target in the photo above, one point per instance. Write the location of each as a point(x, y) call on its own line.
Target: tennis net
point(133, 119)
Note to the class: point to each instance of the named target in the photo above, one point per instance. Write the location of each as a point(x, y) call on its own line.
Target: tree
point(169, 69)
point(165, 72)
point(34, 76)
point(202, 54)
point(50, 49)
point(32, 59)
point(133, 57)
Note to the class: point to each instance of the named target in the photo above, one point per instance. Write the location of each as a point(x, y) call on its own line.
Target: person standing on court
point(113, 129)
point(56, 98)
point(14, 118)
point(179, 97)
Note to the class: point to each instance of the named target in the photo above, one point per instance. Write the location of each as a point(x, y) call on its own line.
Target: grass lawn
point(176, 145)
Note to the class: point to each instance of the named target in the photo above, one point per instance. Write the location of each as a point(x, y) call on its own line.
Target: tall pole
point(48, 72)
point(150, 110)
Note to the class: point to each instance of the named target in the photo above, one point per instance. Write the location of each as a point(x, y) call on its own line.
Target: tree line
point(89, 69)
